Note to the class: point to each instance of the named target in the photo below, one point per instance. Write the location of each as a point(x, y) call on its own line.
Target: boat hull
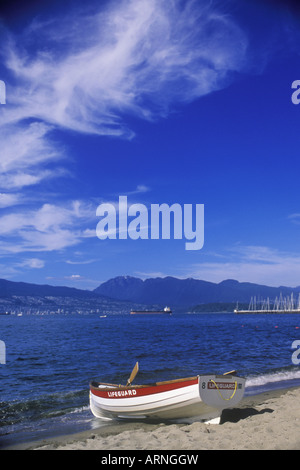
point(195, 398)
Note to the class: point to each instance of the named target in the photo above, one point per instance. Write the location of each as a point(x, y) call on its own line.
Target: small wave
point(275, 379)
point(80, 409)
point(45, 406)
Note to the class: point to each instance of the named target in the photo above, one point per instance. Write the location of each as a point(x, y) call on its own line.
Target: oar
point(231, 372)
point(133, 374)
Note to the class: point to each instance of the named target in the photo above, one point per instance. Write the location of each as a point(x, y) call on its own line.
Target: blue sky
point(183, 102)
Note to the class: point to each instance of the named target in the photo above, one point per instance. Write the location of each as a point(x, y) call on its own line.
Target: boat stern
point(221, 391)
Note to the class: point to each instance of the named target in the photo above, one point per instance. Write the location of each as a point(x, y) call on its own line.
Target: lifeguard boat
point(201, 398)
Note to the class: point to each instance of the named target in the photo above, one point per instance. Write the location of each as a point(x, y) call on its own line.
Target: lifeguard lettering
point(121, 393)
point(221, 385)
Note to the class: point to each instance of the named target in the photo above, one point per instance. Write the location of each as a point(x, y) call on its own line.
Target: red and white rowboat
point(202, 397)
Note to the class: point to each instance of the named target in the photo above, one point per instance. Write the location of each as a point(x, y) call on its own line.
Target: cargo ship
point(166, 310)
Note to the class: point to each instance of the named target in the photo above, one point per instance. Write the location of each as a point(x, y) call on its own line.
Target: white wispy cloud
point(7, 200)
point(141, 188)
point(258, 264)
point(74, 277)
point(137, 56)
point(26, 146)
point(17, 180)
point(34, 263)
point(25, 152)
point(48, 228)
point(86, 261)
point(294, 218)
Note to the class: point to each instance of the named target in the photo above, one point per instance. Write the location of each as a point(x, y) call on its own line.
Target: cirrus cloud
point(139, 57)
point(251, 263)
point(51, 227)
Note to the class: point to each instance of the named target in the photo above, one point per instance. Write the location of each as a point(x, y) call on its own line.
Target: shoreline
point(269, 420)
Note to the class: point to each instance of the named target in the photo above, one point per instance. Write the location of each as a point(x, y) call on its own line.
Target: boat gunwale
point(94, 385)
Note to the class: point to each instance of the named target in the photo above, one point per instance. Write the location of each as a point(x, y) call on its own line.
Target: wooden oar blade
point(133, 373)
point(231, 372)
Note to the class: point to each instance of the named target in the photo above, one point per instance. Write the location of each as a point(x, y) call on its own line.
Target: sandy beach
point(270, 420)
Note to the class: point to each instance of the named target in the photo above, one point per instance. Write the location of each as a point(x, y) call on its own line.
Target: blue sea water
point(51, 359)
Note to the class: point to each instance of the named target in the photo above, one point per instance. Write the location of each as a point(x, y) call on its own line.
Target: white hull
point(201, 398)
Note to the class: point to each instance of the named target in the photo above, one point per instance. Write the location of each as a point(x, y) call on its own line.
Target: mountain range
point(123, 292)
point(186, 292)
point(50, 298)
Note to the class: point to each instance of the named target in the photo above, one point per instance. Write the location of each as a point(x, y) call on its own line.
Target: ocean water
point(44, 385)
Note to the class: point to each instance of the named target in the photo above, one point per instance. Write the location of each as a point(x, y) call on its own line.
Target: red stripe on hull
point(143, 391)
